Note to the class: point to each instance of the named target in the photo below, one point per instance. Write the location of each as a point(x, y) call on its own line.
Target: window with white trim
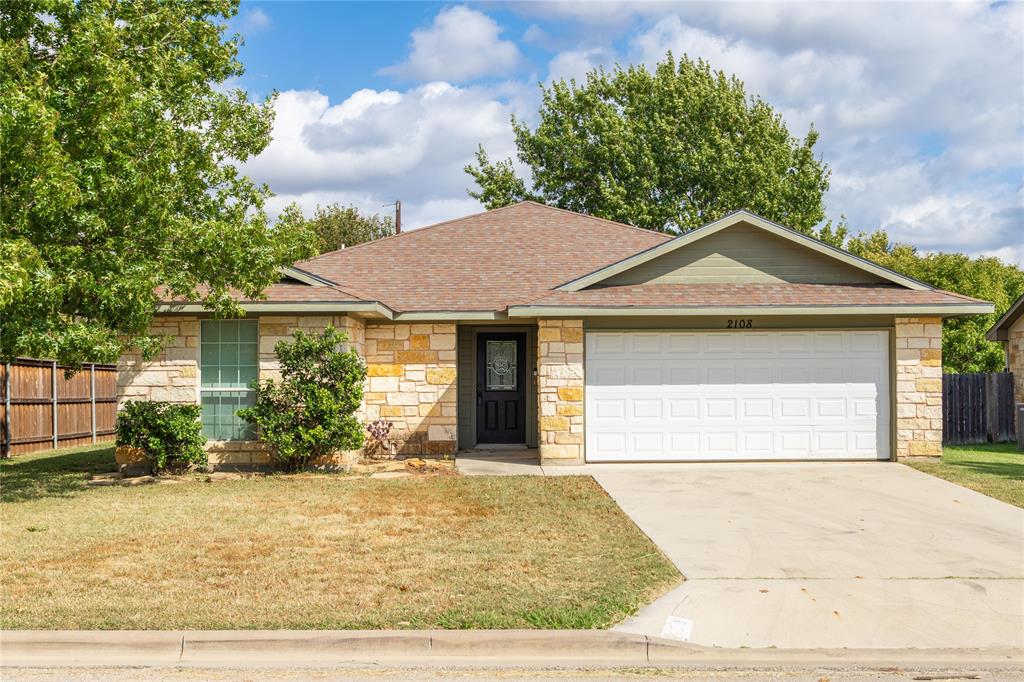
point(228, 361)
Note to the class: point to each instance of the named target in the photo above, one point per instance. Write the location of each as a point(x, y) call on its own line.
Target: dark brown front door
point(501, 388)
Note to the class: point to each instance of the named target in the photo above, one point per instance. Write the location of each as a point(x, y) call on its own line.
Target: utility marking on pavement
point(677, 628)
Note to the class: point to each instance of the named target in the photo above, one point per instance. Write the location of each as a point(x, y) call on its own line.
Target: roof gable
point(722, 252)
point(1000, 330)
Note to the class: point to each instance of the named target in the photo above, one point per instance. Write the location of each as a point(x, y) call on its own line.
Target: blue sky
point(920, 106)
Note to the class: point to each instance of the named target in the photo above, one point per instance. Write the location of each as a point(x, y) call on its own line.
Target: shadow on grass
point(1008, 470)
point(54, 474)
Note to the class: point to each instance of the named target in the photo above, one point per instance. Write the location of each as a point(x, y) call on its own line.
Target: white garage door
point(670, 396)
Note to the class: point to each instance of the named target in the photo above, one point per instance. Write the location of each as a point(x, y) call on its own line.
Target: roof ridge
point(413, 231)
point(594, 217)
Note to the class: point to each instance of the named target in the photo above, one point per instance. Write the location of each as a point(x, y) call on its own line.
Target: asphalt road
point(818, 674)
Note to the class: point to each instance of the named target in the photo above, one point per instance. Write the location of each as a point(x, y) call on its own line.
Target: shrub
point(166, 432)
point(310, 412)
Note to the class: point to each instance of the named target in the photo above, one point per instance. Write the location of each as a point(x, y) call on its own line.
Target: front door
point(501, 388)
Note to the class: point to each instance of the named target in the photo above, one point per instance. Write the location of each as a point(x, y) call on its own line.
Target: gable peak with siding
point(742, 248)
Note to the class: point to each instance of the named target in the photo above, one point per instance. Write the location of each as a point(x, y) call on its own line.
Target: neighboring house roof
point(531, 259)
point(1000, 330)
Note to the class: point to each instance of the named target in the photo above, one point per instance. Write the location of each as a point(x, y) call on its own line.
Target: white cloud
point(576, 63)
point(378, 146)
point(461, 44)
point(252, 21)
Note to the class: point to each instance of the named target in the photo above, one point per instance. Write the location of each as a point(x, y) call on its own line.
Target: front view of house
point(592, 341)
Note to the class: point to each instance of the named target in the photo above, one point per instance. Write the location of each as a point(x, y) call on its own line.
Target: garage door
point(676, 396)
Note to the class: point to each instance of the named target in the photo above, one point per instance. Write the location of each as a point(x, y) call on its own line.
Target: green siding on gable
point(743, 254)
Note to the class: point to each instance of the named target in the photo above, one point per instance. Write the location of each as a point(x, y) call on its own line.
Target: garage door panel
point(721, 344)
point(647, 444)
point(649, 344)
point(829, 342)
point(644, 375)
point(646, 408)
point(684, 344)
point(609, 409)
point(607, 344)
point(722, 374)
point(683, 445)
point(826, 409)
point(757, 344)
point(756, 408)
point(683, 376)
point(720, 408)
point(720, 444)
point(681, 410)
point(664, 396)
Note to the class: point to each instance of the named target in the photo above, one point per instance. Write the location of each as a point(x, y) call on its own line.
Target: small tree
point(335, 226)
point(310, 412)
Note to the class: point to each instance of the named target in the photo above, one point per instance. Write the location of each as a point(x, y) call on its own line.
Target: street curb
point(317, 648)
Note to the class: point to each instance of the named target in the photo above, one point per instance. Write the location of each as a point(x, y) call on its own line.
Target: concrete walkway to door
point(797, 555)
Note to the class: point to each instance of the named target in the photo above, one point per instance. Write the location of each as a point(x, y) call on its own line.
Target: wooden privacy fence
point(977, 408)
point(41, 409)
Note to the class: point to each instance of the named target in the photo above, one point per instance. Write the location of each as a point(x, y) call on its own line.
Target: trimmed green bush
point(311, 411)
point(167, 432)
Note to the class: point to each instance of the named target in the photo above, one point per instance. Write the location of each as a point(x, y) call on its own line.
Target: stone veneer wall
point(918, 386)
point(560, 391)
point(1015, 362)
point(412, 373)
point(173, 375)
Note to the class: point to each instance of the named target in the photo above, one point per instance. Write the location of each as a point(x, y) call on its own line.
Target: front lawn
point(315, 551)
point(995, 470)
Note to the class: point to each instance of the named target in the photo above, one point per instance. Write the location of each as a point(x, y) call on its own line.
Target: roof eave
point(939, 310)
point(285, 307)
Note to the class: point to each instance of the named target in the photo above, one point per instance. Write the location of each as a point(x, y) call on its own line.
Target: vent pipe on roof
point(398, 215)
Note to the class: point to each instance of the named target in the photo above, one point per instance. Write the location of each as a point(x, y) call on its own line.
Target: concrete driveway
point(827, 555)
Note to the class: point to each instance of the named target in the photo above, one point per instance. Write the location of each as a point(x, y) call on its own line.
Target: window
point(501, 365)
point(228, 361)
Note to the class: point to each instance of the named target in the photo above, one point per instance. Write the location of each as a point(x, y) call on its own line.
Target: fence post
point(53, 390)
point(7, 411)
point(92, 397)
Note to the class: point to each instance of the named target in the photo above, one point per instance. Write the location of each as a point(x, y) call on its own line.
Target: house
point(1009, 331)
point(592, 341)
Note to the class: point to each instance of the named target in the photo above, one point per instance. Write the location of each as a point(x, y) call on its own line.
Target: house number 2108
point(739, 324)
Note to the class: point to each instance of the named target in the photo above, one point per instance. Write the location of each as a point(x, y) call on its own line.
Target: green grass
point(53, 473)
point(315, 551)
point(995, 470)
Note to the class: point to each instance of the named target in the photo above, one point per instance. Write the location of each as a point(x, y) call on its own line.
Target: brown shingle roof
point(519, 254)
point(486, 261)
point(736, 295)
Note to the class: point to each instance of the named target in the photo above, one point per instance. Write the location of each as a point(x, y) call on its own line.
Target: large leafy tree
point(334, 226)
point(668, 149)
point(964, 346)
point(119, 146)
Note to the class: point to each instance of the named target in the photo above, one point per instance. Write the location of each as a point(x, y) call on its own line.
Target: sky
point(919, 106)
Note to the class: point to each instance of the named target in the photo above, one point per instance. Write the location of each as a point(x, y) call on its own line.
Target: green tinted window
point(229, 360)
